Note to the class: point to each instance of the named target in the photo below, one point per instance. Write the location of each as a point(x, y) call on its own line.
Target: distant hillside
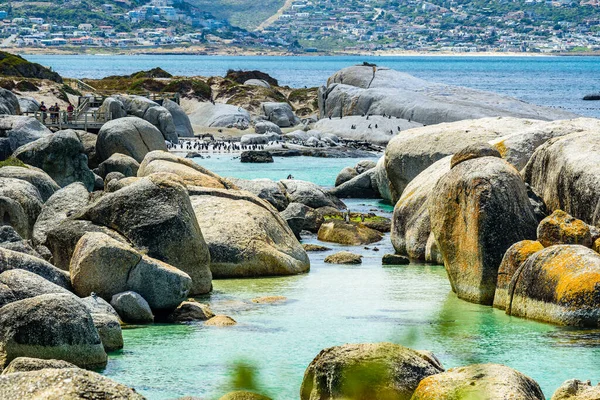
point(243, 13)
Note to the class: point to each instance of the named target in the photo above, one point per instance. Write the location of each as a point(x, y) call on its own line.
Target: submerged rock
point(344, 257)
point(352, 234)
point(220, 320)
point(478, 210)
point(374, 371)
point(256, 157)
point(241, 395)
point(479, 381)
point(394, 259)
point(191, 311)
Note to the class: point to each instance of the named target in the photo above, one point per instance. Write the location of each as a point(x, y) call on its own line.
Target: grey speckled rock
point(21, 204)
point(266, 189)
point(267, 126)
point(132, 307)
point(160, 117)
point(254, 242)
point(60, 155)
point(479, 381)
point(13, 260)
point(112, 108)
point(28, 364)
point(38, 178)
point(375, 129)
point(183, 126)
point(109, 329)
point(51, 326)
point(62, 239)
point(574, 389)
point(281, 114)
point(64, 384)
point(309, 194)
point(565, 172)
point(364, 90)
point(472, 151)
point(119, 163)
point(9, 103)
point(412, 151)
point(20, 130)
point(394, 372)
point(155, 214)
point(63, 203)
point(478, 210)
point(24, 284)
point(411, 223)
point(220, 115)
point(131, 136)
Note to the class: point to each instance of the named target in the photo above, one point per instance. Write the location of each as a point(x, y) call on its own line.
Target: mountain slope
point(243, 13)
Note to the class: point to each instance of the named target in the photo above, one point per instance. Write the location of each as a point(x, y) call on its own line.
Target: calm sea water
point(549, 81)
point(410, 305)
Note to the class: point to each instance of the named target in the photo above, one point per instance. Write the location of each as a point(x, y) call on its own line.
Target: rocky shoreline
point(109, 229)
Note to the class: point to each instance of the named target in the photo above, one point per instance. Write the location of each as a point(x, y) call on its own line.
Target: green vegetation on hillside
point(243, 13)
point(13, 65)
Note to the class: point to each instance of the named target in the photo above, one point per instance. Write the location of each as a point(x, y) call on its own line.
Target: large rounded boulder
point(10, 260)
point(9, 103)
point(38, 178)
point(412, 151)
point(155, 214)
point(574, 389)
point(59, 206)
point(17, 131)
point(478, 210)
point(373, 371)
point(131, 136)
point(64, 383)
point(565, 172)
point(246, 235)
point(559, 284)
point(183, 126)
point(187, 170)
point(50, 326)
point(20, 205)
point(411, 222)
point(479, 381)
point(62, 156)
point(516, 255)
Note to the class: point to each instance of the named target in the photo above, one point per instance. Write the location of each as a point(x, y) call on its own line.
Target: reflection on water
point(410, 305)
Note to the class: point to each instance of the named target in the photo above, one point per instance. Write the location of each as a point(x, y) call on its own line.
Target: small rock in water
point(132, 307)
point(314, 247)
point(256, 156)
point(344, 257)
point(191, 311)
point(592, 97)
point(221, 320)
point(242, 395)
point(394, 259)
point(269, 299)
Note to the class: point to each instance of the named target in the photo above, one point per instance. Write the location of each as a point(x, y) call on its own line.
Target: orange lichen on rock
point(561, 228)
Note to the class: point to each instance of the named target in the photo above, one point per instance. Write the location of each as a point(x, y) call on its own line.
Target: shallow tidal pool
point(331, 305)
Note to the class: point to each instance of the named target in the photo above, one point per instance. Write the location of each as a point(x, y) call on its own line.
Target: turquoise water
point(411, 305)
point(550, 81)
point(321, 171)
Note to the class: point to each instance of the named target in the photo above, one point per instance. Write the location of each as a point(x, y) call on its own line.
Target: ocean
point(549, 81)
